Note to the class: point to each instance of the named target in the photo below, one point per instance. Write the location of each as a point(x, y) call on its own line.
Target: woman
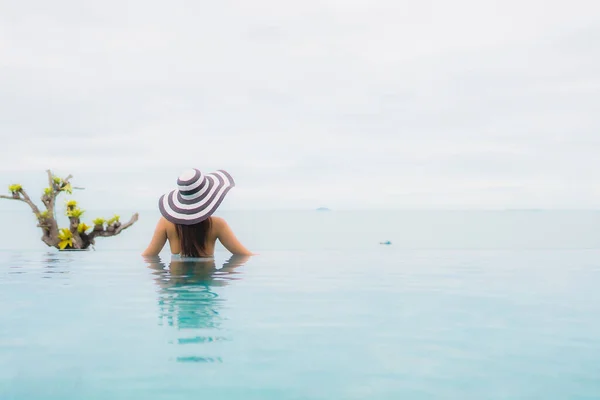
point(187, 221)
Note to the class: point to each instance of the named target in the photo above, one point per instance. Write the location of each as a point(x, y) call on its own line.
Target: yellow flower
point(48, 191)
point(113, 220)
point(75, 212)
point(43, 214)
point(56, 180)
point(15, 188)
point(71, 203)
point(81, 228)
point(67, 188)
point(99, 221)
point(66, 238)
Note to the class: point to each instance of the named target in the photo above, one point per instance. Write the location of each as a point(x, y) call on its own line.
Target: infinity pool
point(379, 324)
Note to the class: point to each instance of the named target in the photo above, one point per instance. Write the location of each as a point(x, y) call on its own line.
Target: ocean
point(460, 305)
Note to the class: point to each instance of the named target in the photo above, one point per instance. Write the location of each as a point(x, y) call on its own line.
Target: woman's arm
point(228, 239)
point(158, 240)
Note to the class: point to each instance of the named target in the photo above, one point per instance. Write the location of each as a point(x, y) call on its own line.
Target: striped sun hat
point(196, 198)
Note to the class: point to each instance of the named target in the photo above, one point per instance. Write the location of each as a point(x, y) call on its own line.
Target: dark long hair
point(193, 238)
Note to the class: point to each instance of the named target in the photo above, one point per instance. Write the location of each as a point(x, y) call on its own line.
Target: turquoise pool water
point(379, 322)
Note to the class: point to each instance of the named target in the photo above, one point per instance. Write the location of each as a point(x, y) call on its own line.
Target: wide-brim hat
point(196, 198)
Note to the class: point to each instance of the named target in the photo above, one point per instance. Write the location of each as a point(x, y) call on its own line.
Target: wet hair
point(193, 238)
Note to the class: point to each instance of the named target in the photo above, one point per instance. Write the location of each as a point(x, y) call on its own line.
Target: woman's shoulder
point(165, 223)
point(217, 220)
point(217, 223)
point(167, 226)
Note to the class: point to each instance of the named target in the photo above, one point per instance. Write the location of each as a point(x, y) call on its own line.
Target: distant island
point(323, 209)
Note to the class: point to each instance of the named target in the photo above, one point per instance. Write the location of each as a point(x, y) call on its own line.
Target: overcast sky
point(339, 103)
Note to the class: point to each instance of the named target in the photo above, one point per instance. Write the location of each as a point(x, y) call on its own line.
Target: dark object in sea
point(387, 242)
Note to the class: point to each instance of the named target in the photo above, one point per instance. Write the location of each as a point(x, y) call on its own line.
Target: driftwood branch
point(48, 225)
point(48, 200)
point(27, 200)
point(70, 238)
point(50, 181)
point(113, 230)
point(10, 197)
point(77, 238)
point(22, 196)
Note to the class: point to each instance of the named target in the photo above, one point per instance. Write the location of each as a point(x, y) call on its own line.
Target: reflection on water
point(53, 264)
point(50, 263)
point(187, 301)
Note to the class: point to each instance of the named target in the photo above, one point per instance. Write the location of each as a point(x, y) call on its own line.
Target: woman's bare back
point(219, 229)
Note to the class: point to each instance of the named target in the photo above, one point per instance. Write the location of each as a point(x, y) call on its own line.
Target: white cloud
point(342, 103)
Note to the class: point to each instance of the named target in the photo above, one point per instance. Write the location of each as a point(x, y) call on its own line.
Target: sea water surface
point(462, 305)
